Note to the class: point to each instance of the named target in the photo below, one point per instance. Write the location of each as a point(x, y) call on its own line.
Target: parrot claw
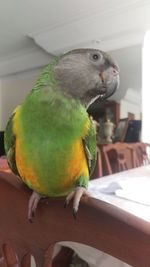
point(33, 202)
point(74, 212)
point(76, 196)
point(65, 204)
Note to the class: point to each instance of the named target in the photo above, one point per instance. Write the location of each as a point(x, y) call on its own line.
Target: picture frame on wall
point(131, 116)
point(121, 130)
point(133, 133)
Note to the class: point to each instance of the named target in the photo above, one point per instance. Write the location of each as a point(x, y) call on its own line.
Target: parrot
point(50, 141)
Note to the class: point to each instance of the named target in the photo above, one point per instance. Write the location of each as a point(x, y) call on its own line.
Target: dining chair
point(118, 157)
point(3, 164)
point(141, 154)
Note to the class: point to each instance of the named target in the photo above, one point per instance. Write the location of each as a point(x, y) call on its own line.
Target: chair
point(118, 157)
point(3, 164)
point(141, 154)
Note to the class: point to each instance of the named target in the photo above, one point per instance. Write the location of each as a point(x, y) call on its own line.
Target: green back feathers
point(46, 77)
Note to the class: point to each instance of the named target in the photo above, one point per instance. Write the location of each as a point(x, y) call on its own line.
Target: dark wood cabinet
point(2, 150)
point(101, 111)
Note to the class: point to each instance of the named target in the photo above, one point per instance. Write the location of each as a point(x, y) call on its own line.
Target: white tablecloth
point(128, 190)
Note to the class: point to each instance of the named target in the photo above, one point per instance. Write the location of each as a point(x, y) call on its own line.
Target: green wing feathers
point(89, 143)
point(9, 142)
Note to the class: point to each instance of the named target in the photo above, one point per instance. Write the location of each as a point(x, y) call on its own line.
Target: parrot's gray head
point(87, 74)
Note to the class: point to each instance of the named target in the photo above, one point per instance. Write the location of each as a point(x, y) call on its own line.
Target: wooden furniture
point(99, 224)
point(141, 153)
point(121, 130)
point(101, 111)
point(123, 156)
point(4, 165)
point(116, 157)
point(2, 150)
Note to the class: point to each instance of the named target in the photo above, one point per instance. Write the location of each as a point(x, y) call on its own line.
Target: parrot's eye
point(95, 57)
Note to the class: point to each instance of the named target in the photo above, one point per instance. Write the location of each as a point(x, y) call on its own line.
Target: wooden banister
point(98, 224)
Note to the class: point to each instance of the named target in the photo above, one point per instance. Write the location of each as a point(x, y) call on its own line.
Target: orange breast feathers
point(77, 165)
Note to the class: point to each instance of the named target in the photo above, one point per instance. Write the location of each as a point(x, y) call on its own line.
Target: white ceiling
point(31, 30)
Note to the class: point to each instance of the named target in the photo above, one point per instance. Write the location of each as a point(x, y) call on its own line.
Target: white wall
point(13, 90)
point(126, 106)
point(131, 103)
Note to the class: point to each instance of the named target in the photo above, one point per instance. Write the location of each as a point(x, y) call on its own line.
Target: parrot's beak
point(105, 91)
point(111, 89)
point(110, 83)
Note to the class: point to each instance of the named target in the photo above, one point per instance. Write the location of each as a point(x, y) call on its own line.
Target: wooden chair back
point(118, 157)
point(141, 154)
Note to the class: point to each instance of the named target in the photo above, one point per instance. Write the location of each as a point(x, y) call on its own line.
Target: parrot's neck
point(47, 75)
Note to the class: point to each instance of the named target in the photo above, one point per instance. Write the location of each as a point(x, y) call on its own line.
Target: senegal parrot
point(49, 139)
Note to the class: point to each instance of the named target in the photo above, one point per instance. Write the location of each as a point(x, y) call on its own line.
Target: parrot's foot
point(76, 196)
point(33, 202)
